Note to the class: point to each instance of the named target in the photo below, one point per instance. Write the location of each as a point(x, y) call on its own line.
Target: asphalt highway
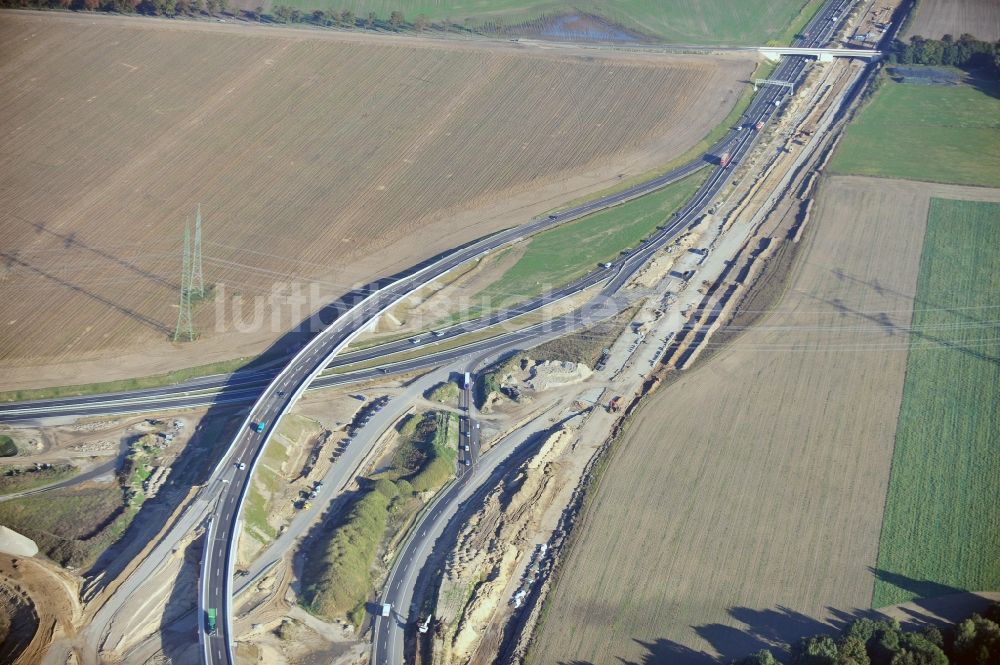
point(283, 389)
point(291, 382)
point(388, 637)
point(388, 634)
point(245, 387)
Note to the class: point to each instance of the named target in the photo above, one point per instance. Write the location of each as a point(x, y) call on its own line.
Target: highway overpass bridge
point(822, 54)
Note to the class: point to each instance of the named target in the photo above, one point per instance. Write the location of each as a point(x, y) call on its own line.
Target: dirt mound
point(554, 374)
point(39, 603)
point(482, 566)
point(18, 621)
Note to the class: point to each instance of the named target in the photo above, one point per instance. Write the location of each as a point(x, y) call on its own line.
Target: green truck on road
point(210, 624)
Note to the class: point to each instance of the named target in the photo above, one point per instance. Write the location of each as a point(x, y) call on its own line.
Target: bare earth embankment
point(762, 507)
point(936, 18)
point(315, 156)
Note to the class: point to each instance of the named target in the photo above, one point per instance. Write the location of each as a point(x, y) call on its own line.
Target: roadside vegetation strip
point(338, 577)
point(948, 134)
point(22, 479)
point(586, 346)
point(689, 22)
point(124, 385)
point(941, 529)
point(446, 392)
point(556, 257)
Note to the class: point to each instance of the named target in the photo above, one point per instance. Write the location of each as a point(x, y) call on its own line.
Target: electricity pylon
point(197, 277)
point(185, 326)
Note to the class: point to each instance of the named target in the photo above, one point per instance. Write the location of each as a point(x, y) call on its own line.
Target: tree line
point(966, 52)
point(344, 18)
point(974, 641)
point(150, 7)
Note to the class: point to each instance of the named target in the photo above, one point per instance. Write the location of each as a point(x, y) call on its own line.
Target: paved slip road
point(387, 646)
point(246, 386)
point(284, 389)
point(219, 558)
point(388, 637)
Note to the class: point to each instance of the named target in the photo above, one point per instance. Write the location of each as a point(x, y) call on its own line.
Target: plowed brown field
point(315, 156)
point(743, 507)
point(936, 18)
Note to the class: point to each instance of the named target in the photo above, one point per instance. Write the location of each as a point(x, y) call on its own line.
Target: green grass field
point(72, 526)
point(947, 134)
point(676, 21)
point(941, 529)
point(566, 252)
point(28, 478)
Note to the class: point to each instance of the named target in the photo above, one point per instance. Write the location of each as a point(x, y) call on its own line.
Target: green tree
point(282, 13)
point(762, 657)
point(915, 649)
point(977, 642)
point(817, 650)
point(396, 19)
point(370, 21)
point(347, 19)
point(422, 23)
point(386, 488)
point(853, 652)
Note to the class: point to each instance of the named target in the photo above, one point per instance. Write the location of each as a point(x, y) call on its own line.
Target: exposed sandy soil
point(762, 512)
point(40, 603)
point(936, 18)
point(317, 157)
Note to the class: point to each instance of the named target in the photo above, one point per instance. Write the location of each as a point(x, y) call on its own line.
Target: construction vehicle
point(210, 621)
point(615, 405)
point(724, 159)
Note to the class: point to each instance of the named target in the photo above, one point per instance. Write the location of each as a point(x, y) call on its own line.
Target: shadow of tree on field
point(780, 627)
point(920, 588)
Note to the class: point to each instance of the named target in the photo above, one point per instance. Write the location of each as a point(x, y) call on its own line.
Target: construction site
point(632, 460)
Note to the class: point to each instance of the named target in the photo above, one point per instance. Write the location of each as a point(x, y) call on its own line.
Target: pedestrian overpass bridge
point(823, 54)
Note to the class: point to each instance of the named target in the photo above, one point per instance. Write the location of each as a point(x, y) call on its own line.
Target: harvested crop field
point(942, 524)
point(936, 18)
point(315, 156)
point(763, 508)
